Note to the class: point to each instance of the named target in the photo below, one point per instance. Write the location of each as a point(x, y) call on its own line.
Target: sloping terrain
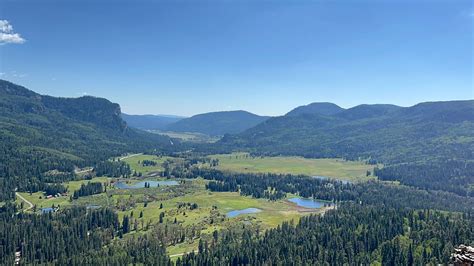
point(427, 134)
point(218, 123)
point(41, 133)
point(150, 122)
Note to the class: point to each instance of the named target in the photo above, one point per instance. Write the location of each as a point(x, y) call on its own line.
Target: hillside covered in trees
point(150, 122)
point(218, 123)
point(415, 138)
point(43, 138)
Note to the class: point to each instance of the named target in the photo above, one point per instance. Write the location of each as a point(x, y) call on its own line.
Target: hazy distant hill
point(150, 122)
point(39, 133)
point(433, 138)
point(218, 123)
point(316, 108)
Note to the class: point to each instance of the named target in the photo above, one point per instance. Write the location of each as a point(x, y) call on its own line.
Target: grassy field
point(333, 168)
point(272, 214)
point(211, 212)
point(210, 215)
point(40, 200)
point(188, 136)
point(133, 161)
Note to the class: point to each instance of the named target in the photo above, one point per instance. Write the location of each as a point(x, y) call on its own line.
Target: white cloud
point(7, 35)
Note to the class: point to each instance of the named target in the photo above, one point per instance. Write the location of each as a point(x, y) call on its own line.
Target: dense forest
point(40, 135)
point(74, 236)
point(428, 148)
point(90, 188)
point(351, 235)
point(276, 186)
point(405, 139)
point(217, 123)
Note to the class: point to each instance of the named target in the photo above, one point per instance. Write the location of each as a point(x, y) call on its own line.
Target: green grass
point(272, 212)
point(188, 136)
point(40, 200)
point(333, 168)
point(134, 165)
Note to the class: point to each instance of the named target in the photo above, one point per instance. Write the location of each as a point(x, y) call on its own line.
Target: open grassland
point(354, 171)
point(188, 136)
point(144, 206)
point(135, 163)
point(272, 214)
point(41, 201)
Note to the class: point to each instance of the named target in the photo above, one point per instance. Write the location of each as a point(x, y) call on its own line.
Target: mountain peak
point(320, 108)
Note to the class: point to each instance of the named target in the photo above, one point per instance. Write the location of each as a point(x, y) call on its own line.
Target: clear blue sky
point(188, 57)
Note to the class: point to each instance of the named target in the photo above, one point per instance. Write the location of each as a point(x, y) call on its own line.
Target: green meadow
point(135, 163)
point(334, 168)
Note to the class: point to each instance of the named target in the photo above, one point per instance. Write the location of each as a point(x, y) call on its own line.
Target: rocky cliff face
point(463, 255)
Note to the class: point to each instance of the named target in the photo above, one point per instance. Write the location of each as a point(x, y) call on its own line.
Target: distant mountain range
point(435, 138)
point(151, 122)
point(218, 123)
point(316, 108)
point(362, 131)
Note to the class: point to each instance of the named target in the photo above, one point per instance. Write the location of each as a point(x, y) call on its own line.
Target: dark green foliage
point(352, 235)
point(275, 186)
point(316, 108)
point(40, 133)
point(427, 134)
point(150, 122)
point(55, 236)
point(89, 189)
point(218, 123)
point(53, 189)
point(112, 169)
point(141, 250)
point(149, 163)
point(451, 175)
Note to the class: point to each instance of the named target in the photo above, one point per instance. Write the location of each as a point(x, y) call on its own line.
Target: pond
point(309, 203)
point(123, 185)
point(320, 177)
point(47, 210)
point(234, 213)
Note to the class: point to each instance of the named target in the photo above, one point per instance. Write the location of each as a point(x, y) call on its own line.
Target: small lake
point(47, 210)
point(123, 185)
point(309, 203)
point(320, 177)
point(234, 213)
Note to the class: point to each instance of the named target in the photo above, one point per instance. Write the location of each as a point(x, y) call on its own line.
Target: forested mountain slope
point(218, 123)
point(426, 137)
point(150, 122)
point(316, 108)
point(40, 133)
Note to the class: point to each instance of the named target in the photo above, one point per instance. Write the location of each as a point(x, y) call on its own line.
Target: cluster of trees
point(148, 163)
point(135, 250)
point(353, 234)
point(53, 189)
point(48, 238)
point(449, 175)
point(112, 169)
point(220, 186)
point(275, 186)
point(88, 189)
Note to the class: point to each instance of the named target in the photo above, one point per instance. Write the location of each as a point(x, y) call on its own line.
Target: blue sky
point(188, 57)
